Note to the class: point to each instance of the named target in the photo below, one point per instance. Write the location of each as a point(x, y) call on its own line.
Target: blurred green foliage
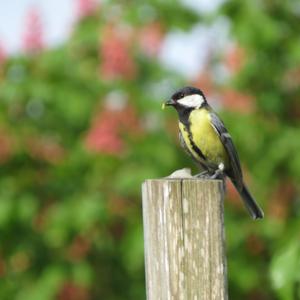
point(81, 128)
point(267, 31)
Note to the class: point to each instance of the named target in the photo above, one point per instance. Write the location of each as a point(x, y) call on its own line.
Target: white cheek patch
point(192, 101)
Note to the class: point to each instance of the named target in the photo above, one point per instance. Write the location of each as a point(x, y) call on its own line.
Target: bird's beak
point(170, 102)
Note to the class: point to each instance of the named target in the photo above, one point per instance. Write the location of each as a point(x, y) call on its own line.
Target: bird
point(204, 137)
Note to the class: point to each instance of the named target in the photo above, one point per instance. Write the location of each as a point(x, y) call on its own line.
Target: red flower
point(86, 8)
point(33, 37)
point(150, 38)
point(116, 61)
point(46, 149)
point(205, 82)
point(234, 59)
point(105, 134)
point(237, 101)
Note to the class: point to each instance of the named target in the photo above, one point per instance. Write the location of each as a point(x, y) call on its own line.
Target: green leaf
point(285, 269)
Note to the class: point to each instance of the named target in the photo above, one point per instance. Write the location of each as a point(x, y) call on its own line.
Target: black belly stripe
point(184, 118)
point(194, 146)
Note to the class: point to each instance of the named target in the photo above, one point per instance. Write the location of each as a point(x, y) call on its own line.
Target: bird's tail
point(255, 211)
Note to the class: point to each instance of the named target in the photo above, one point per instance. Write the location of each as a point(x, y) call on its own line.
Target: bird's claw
point(203, 175)
point(218, 174)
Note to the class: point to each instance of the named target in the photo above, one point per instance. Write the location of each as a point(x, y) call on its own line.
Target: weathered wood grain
point(184, 239)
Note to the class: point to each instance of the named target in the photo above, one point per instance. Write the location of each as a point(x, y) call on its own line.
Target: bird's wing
point(236, 171)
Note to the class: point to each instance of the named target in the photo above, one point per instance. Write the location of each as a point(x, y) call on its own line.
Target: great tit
point(204, 137)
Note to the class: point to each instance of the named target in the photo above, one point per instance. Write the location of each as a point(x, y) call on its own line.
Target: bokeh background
point(81, 85)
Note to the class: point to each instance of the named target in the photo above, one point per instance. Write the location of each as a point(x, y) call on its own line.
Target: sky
point(59, 15)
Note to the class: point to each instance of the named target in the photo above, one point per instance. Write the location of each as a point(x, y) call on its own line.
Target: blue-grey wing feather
point(236, 171)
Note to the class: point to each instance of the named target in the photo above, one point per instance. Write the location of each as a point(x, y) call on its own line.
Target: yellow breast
point(204, 137)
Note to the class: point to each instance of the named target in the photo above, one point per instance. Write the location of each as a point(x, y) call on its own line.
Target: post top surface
point(196, 180)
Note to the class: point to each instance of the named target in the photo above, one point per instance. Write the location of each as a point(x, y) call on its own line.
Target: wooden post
point(184, 239)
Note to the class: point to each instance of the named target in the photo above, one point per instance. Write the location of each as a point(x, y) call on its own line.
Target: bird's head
point(187, 98)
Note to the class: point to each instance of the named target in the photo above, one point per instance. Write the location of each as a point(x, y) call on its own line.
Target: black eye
point(178, 95)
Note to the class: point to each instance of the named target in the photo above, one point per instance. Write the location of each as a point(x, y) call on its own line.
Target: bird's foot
point(219, 174)
point(203, 175)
